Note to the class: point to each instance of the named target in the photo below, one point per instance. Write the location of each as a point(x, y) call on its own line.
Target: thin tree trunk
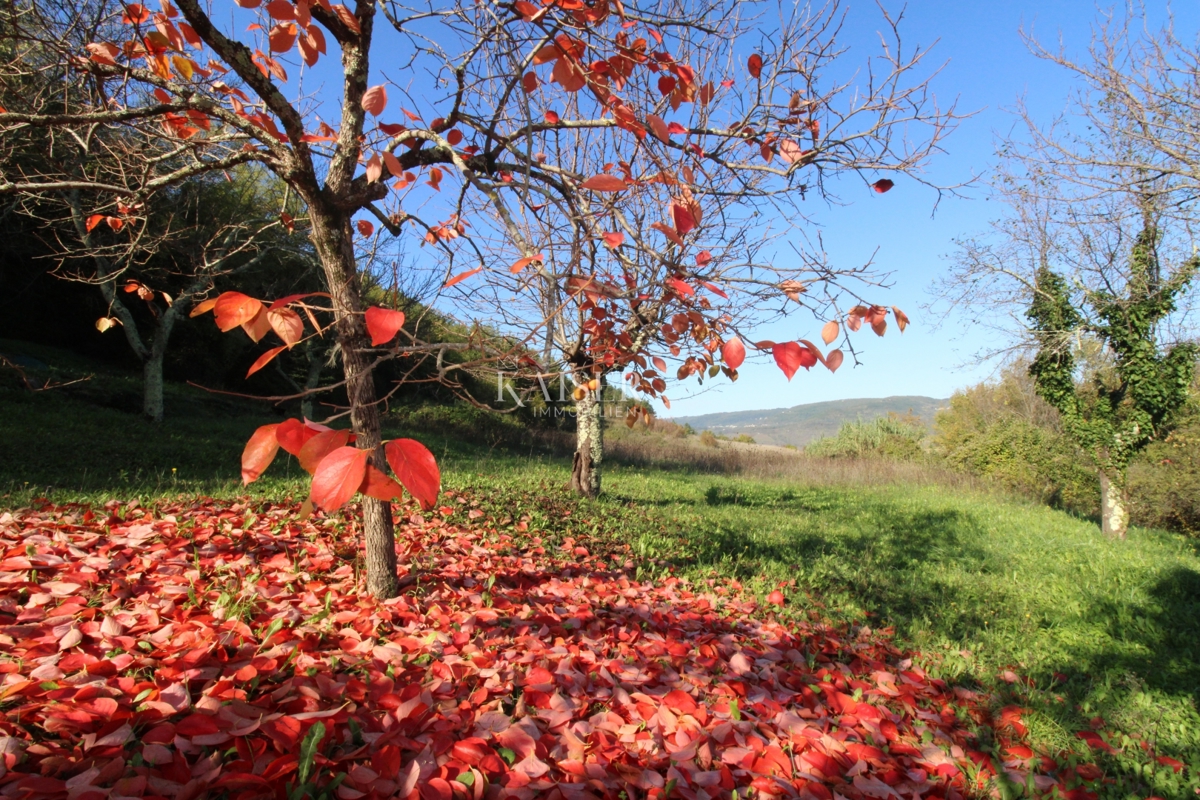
point(152, 386)
point(1114, 508)
point(589, 443)
point(334, 242)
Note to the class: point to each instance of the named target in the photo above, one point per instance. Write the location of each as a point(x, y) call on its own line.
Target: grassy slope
point(978, 584)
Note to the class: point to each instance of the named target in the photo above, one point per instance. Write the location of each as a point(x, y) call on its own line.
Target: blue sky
point(987, 68)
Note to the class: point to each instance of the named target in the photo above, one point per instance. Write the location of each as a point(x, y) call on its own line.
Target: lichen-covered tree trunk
point(333, 239)
point(589, 443)
point(1114, 506)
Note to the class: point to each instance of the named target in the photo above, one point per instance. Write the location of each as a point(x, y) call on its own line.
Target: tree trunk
point(589, 443)
point(152, 386)
point(334, 242)
point(1114, 508)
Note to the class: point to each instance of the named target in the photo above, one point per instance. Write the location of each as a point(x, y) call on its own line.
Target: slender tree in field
point(455, 123)
point(1097, 249)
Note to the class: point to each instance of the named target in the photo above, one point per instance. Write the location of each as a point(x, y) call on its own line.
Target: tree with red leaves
point(210, 87)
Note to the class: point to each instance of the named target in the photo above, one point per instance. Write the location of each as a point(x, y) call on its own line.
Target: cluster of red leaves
point(188, 652)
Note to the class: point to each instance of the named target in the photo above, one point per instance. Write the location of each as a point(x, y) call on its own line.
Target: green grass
point(977, 584)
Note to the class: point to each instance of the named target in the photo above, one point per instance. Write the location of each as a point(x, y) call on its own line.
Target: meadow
point(1097, 640)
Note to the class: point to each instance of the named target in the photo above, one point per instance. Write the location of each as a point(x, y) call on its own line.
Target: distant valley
point(800, 425)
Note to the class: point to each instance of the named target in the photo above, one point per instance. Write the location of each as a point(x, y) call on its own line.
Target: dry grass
point(765, 461)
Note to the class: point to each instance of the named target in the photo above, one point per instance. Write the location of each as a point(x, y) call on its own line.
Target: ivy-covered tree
point(1122, 406)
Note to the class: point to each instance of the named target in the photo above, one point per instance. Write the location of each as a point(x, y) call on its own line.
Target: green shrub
point(1164, 482)
point(894, 436)
point(744, 438)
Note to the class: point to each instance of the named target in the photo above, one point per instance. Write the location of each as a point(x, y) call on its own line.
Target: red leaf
point(882, 185)
point(234, 308)
point(462, 276)
point(734, 353)
point(712, 287)
point(683, 219)
point(788, 356)
point(416, 469)
point(338, 477)
point(93, 221)
point(259, 453)
point(378, 485)
point(265, 359)
point(319, 446)
point(776, 598)
point(703, 257)
point(529, 83)
point(522, 263)
point(901, 319)
point(551, 117)
point(375, 100)
point(755, 64)
point(680, 288)
point(293, 434)
point(604, 183)
point(383, 324)
point(365, 228)
point(614, 240)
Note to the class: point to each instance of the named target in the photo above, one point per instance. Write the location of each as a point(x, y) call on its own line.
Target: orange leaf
point(879, 326)
point(287, 325)
point(776, 598)
point(712, 287)
point(901, 319)
point(347, 17)
point(614, 240)
point(319, 446)
point(281, 9)
point(234, 308)
point(668, 232)
point(259, 453)
point(833, 360)
point(379, 485)
point(265, 359)
point(659, 128)
point(416, 469)
point(374, 100)
point(203, 308)
point(462, 276)
point(882, 185)
point(258, 327)
point(383, 324)
point(282, 37)
point(338, 477)
point(734, 353)
point(93, 221)
point(521, 264)
point(605, 183)
point(755, 65)
point(374, 168)
point(830, 331)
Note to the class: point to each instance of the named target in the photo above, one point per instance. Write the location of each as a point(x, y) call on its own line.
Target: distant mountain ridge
point(801, 424)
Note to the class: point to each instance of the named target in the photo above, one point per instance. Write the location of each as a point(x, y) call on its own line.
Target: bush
point(1007, 434)
point(1164, 483)
point(894, 437)
point(744, 438)
point(708, 439)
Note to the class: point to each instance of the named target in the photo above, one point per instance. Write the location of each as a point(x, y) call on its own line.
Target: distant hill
point(800, 425)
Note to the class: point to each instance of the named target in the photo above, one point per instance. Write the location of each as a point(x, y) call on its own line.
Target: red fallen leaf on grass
point(775, 598)
point(1093, 739)
point(391, 674)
